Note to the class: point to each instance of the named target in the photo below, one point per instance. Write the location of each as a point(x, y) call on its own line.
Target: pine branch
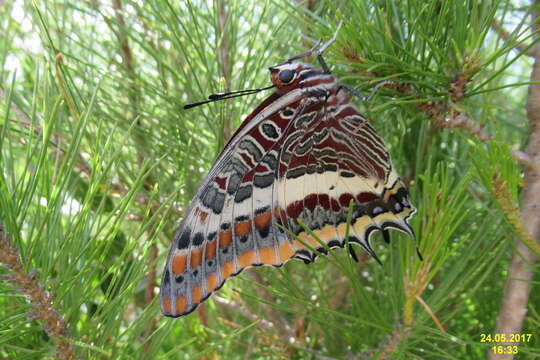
point(52, 322)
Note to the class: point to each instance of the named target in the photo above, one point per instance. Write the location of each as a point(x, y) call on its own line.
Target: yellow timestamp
point(505, 338)
point(505, 349)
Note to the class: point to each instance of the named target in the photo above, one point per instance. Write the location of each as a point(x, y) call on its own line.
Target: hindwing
point(339, 158)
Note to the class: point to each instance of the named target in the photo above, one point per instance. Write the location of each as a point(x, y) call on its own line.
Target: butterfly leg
point(319, 52)
point(363, 98)
point(304, 54)
point(353, 92)
point(323, 48)
point(377, 87)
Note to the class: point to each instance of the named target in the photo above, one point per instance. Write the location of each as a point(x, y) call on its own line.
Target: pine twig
point(457, 119)
point(460, 120)
point(431, 313)
point(52, 321)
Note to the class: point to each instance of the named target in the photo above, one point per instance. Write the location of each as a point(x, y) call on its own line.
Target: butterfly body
point(301, 157)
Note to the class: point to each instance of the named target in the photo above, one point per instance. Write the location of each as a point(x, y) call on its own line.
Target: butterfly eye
point(286, 76)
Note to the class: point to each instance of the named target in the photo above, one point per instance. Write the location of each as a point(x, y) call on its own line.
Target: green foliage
point(98, 161)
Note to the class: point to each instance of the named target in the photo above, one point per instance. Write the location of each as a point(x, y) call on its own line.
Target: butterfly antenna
point(227, 95)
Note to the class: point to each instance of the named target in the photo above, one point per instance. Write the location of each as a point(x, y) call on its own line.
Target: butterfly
point(283, 184)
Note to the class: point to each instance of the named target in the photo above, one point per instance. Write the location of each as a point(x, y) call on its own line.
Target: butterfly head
point(290, 75)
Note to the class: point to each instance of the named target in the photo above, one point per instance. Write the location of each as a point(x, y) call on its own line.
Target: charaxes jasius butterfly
point(301, 157)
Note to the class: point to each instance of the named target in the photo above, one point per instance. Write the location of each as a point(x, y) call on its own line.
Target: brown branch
point(523, 158)
point(460, 120)
point(151, 275)
point(44, 309)
point(441, 113)
point(457, 119)
point(520, 272)
point(127, 57)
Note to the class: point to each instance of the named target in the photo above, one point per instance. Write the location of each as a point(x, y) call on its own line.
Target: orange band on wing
point(211, 282)
point(227, 269)
point(180, 305)
point(286, 251)
point(225, 238)
point(179, 263)
point(247, 258)
point(242, 228)
point(263, 220)
point(167, 304)
point(196, 294)
point(196, 256)
point(304, 238)
point(268, 256)
point(210, 250)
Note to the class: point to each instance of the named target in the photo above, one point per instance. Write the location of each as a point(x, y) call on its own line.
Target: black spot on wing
point(241, 218)
point(243, 193)
point(213, 199)
point(183, 241)
point(264, 231)
point(262, 181)
point(198, 239)
point(269, 130)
